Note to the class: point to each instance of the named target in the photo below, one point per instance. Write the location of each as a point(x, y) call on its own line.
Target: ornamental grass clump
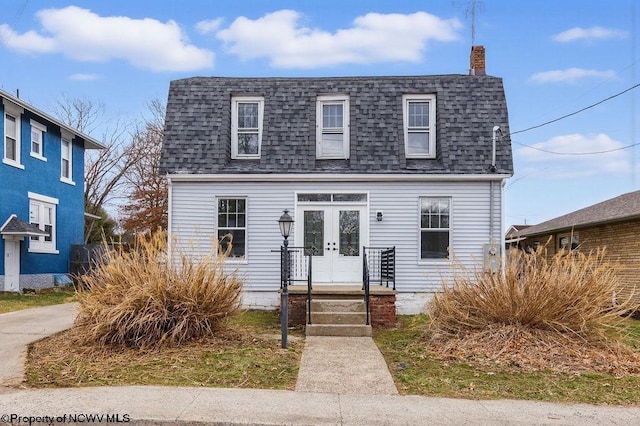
point(139, 298)
point(559, 312)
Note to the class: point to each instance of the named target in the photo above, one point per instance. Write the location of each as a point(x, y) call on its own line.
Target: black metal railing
point(298, 269)
point(381, 265)
point(365, 283)
point(295, 267)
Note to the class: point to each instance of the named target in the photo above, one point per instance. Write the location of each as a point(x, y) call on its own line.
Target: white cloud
point(84, 77)
point(570, 75)
point(81, 35)
point(608, 158)
point(593, 33)
point(373, 38)
point(209, 26)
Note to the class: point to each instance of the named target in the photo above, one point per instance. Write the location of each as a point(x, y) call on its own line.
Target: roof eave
point(89, 142)
point(579, 226)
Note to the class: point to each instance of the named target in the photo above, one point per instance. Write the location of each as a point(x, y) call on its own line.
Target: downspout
point(492, 169)
point(496, 129)
point(169, 227)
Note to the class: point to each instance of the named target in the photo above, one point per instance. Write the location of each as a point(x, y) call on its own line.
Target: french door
point(335, 235)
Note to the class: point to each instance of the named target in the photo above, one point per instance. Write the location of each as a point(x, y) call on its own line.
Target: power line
point(576, 153)
point(576, 112)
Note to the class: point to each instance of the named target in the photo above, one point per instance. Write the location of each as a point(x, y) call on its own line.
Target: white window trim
point(66, 137)
point(16, 112)
point(234, 125)
point(429, 261)
point(237, 260)
point(321, 100)
point(432, 124)
point(40, 246)
point(42, 129)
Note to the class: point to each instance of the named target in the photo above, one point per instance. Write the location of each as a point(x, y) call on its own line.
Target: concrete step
point(337, 305)
point(338, 330)
point(356, 318)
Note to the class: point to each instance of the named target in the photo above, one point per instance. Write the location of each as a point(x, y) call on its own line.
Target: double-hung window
point(435, 227)
point(66, 159)
point(42, 213)
point(232, 226)
point(332, 123)
point(246, 127)
point(419, 113)
point(12, 114)
point(37, 140)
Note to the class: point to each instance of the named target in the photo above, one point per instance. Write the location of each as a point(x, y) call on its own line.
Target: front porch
point(382, 302)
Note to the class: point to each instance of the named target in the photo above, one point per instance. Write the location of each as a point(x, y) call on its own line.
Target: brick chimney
point(477, 62)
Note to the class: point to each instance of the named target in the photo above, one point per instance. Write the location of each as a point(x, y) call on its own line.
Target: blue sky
point(556, 57)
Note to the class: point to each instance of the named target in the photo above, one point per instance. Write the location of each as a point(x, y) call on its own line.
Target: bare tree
point(146, 210)
point(104, 169)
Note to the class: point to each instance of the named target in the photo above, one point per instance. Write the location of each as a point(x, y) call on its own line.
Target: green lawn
point(417, 371)
point(16, 302)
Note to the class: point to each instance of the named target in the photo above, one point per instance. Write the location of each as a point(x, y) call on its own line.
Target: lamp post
point(286, 224)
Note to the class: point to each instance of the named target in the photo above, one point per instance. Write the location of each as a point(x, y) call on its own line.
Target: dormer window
point(246, 127)
point(332, 123)
point(419, 113)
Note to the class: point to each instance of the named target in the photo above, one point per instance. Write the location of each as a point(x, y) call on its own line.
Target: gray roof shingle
point(198, 125)
point(15, 226)
point(626, 206)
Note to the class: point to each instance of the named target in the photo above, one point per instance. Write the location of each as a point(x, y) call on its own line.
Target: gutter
point(328, 177)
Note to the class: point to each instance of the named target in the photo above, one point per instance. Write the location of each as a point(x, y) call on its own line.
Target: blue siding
point(43, 178)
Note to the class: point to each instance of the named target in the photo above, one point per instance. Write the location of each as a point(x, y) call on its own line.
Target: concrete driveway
point(19, 328)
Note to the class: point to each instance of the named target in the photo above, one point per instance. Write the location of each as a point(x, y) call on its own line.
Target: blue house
point(41, 194)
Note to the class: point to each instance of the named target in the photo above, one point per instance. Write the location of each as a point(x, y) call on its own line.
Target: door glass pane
point(349, 197)
point(314, 197)
point(349, 232)
point(314, 232)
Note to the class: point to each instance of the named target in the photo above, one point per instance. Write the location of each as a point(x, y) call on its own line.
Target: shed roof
point(198, 125)
point(626, 206)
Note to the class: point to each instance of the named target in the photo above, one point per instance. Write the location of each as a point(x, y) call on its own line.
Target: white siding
point(193, 216)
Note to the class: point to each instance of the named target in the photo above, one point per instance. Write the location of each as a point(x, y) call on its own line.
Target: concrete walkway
point(161, 405)
point(19, 328)
point(331, 398)
point(344, 365)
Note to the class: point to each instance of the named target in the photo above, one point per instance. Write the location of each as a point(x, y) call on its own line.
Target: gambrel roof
point(198, 125)
point(623, 207)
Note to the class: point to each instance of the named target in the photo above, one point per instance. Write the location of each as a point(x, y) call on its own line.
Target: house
point(613, 224)
point(512, 240)
point(41, 194)
point(415, 163)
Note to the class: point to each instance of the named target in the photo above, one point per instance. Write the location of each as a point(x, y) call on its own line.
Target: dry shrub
point(554, 313)
point(137, 298)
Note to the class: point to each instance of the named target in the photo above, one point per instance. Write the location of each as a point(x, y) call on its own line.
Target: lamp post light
point(286, 224)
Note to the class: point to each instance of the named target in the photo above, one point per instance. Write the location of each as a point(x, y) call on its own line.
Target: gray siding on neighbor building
point(193, 214)
point(198, 125)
